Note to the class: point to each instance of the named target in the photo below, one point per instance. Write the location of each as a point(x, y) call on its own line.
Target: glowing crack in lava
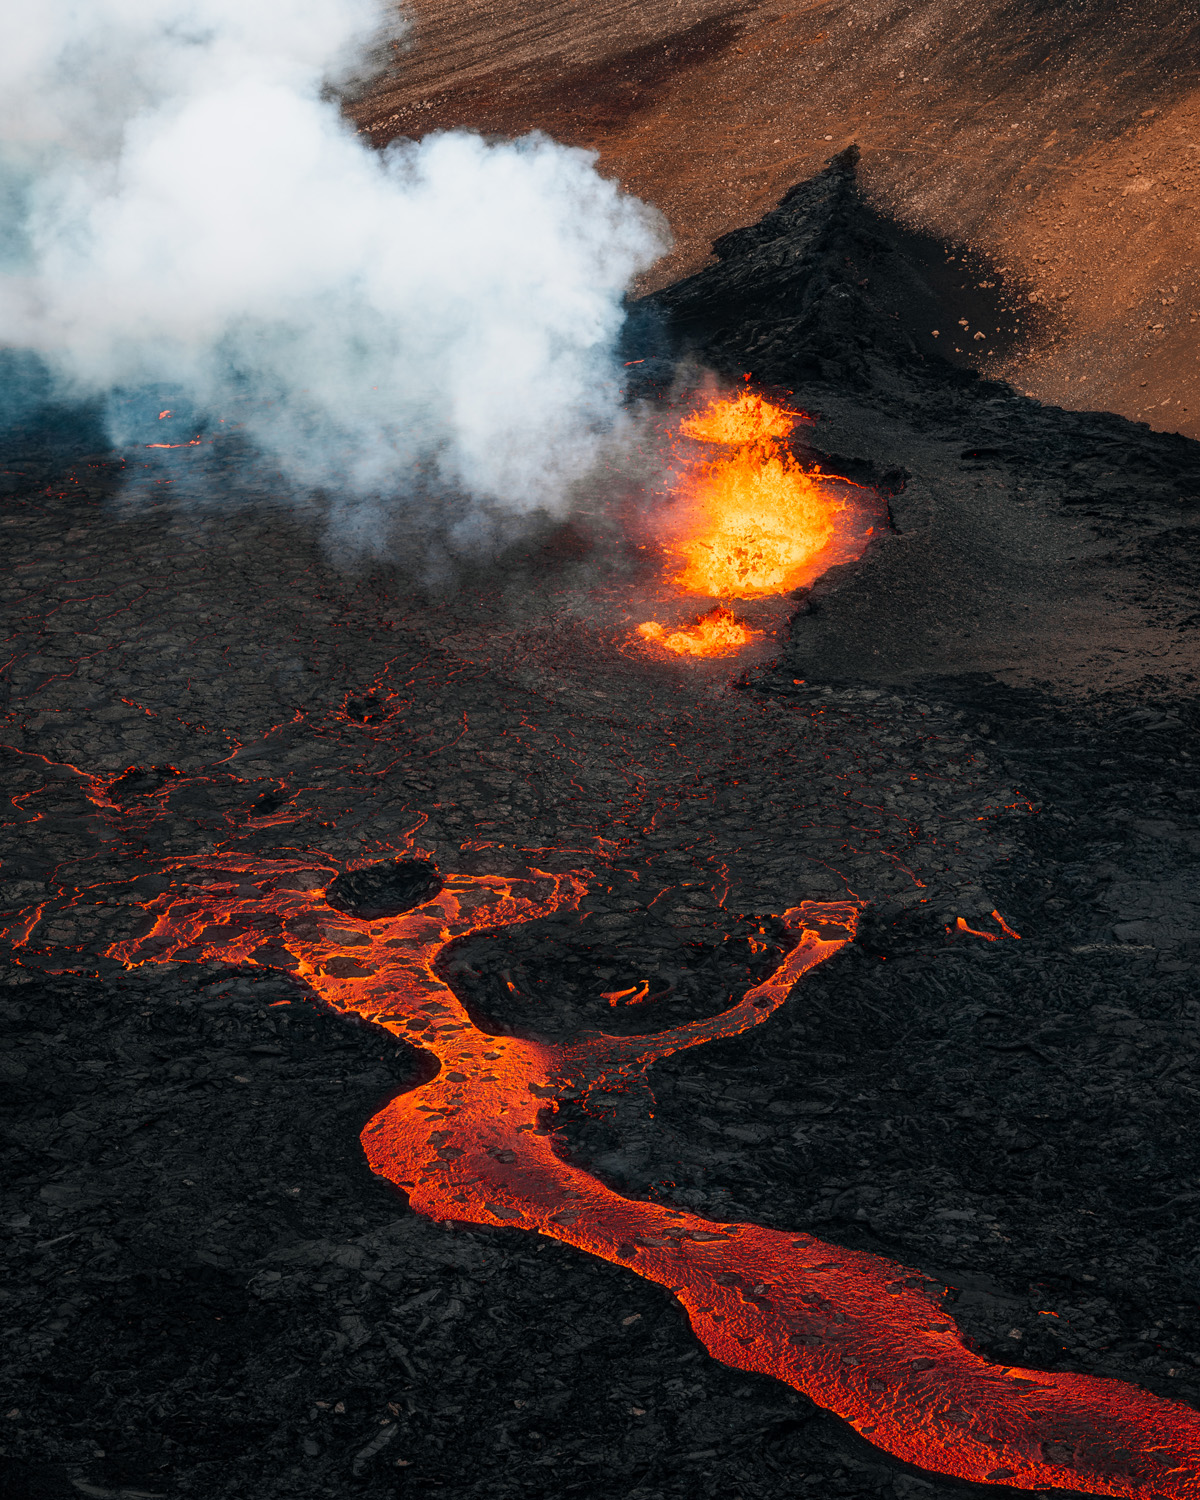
point(717, 633)
point(859, 1334)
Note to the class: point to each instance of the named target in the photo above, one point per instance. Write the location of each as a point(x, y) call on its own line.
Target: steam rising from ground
point(184, 206)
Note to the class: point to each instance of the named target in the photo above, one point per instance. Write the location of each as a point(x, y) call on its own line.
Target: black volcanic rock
point(787, 299)
point(384, 890)
point(1017, 542)
point(828, 292)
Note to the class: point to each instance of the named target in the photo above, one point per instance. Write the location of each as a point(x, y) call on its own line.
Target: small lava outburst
point(717, 633)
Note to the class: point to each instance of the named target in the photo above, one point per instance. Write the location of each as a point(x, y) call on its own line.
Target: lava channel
point(858, 1334)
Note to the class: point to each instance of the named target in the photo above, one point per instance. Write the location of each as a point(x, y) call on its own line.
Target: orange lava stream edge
point(855, 1332)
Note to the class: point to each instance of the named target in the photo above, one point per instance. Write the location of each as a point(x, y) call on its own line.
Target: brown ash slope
point(1058, 137)
point(205, 1291)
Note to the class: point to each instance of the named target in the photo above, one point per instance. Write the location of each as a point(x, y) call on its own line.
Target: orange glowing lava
point(718, 633)
point(743, 418)
point(764, 518)
point(757, 518)
point(861, 1335)
point(960, 925)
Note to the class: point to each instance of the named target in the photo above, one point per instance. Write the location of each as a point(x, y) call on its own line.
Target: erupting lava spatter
point(859, 1334)
point(717, 633)
point(744, 418)
point(760, 517)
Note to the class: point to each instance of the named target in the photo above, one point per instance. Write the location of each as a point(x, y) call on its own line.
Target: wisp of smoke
point(185, 207)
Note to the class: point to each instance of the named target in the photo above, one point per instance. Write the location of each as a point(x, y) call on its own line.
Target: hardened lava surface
point(208, 1291)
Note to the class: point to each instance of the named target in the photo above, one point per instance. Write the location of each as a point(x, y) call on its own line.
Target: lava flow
point(858, 1334)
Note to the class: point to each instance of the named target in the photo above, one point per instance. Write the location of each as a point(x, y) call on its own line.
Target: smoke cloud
point(185, 208)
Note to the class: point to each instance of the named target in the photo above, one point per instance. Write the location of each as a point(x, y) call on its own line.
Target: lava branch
point(858, 1334)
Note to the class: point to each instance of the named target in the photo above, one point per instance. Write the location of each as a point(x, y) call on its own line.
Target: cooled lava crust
point(214, 794)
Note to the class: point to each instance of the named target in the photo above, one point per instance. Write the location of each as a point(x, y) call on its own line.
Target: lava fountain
point(761, 517)
point(757, 522)
point(717, 633)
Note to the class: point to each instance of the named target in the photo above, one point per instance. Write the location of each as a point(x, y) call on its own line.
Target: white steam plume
point(185, 205)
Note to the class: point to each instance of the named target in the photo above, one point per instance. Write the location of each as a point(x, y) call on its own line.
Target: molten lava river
point(858, 1334)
